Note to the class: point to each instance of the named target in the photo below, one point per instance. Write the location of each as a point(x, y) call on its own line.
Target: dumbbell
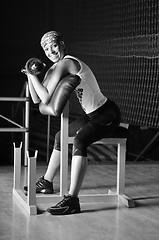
point(33, 66)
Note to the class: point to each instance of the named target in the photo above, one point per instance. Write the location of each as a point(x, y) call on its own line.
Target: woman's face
point(54, 51)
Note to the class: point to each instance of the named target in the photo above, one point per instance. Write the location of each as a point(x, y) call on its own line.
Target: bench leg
point(27, 202)
point(64, 152)
point(127, 201)
point(31, 199)
point(17, 167)
point(121, 169)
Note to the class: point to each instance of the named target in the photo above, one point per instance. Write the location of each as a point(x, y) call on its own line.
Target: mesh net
point(119, 40)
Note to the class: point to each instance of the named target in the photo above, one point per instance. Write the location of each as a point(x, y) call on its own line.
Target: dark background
point(117, 39)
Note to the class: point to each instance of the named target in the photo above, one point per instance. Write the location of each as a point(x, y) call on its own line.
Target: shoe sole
point(73, 211)
point(42, 191)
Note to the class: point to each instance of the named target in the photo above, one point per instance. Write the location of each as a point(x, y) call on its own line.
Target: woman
point(101, 119)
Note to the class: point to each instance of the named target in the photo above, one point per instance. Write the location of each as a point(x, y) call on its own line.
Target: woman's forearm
point(32, 91)
point(45, 89)
point(38, 91)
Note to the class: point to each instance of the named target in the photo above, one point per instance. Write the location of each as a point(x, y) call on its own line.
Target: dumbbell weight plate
point(34, 66)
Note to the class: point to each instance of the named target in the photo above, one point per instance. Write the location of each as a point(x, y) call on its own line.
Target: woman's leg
point(54, 163)
point(78, 170)
point(79, 159)
point(53, 166)
point(85, 136)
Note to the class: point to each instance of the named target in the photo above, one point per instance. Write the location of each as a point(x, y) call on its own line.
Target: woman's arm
point(36, 88)
point(45, 90)
point(32, 91)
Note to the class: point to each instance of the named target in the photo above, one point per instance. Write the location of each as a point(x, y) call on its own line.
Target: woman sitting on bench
point(102, 116)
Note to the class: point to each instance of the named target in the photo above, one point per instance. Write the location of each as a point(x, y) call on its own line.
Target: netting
point(119, 40)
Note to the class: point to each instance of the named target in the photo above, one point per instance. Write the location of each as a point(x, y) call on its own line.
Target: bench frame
point(32, 199)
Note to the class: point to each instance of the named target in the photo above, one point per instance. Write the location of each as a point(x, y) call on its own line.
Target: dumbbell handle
point(23, 70)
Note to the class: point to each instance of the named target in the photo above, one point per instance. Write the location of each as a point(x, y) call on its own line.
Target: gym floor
point(96, 220)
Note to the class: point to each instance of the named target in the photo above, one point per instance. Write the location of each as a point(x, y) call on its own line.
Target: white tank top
point(88, 91)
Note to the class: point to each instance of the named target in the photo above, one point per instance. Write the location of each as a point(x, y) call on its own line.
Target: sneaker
point(68, 205)
point(42, 186)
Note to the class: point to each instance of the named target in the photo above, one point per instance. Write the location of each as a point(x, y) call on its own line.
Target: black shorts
point(92, 127)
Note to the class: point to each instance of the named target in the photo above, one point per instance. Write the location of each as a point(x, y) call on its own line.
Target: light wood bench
point(30, 202)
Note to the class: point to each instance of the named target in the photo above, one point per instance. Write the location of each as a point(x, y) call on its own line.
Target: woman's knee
point(79, 147)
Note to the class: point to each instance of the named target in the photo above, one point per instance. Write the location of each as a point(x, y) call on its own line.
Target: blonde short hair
point(51, 37)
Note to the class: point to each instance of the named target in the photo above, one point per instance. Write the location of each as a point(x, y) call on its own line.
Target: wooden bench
point(30, 202)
